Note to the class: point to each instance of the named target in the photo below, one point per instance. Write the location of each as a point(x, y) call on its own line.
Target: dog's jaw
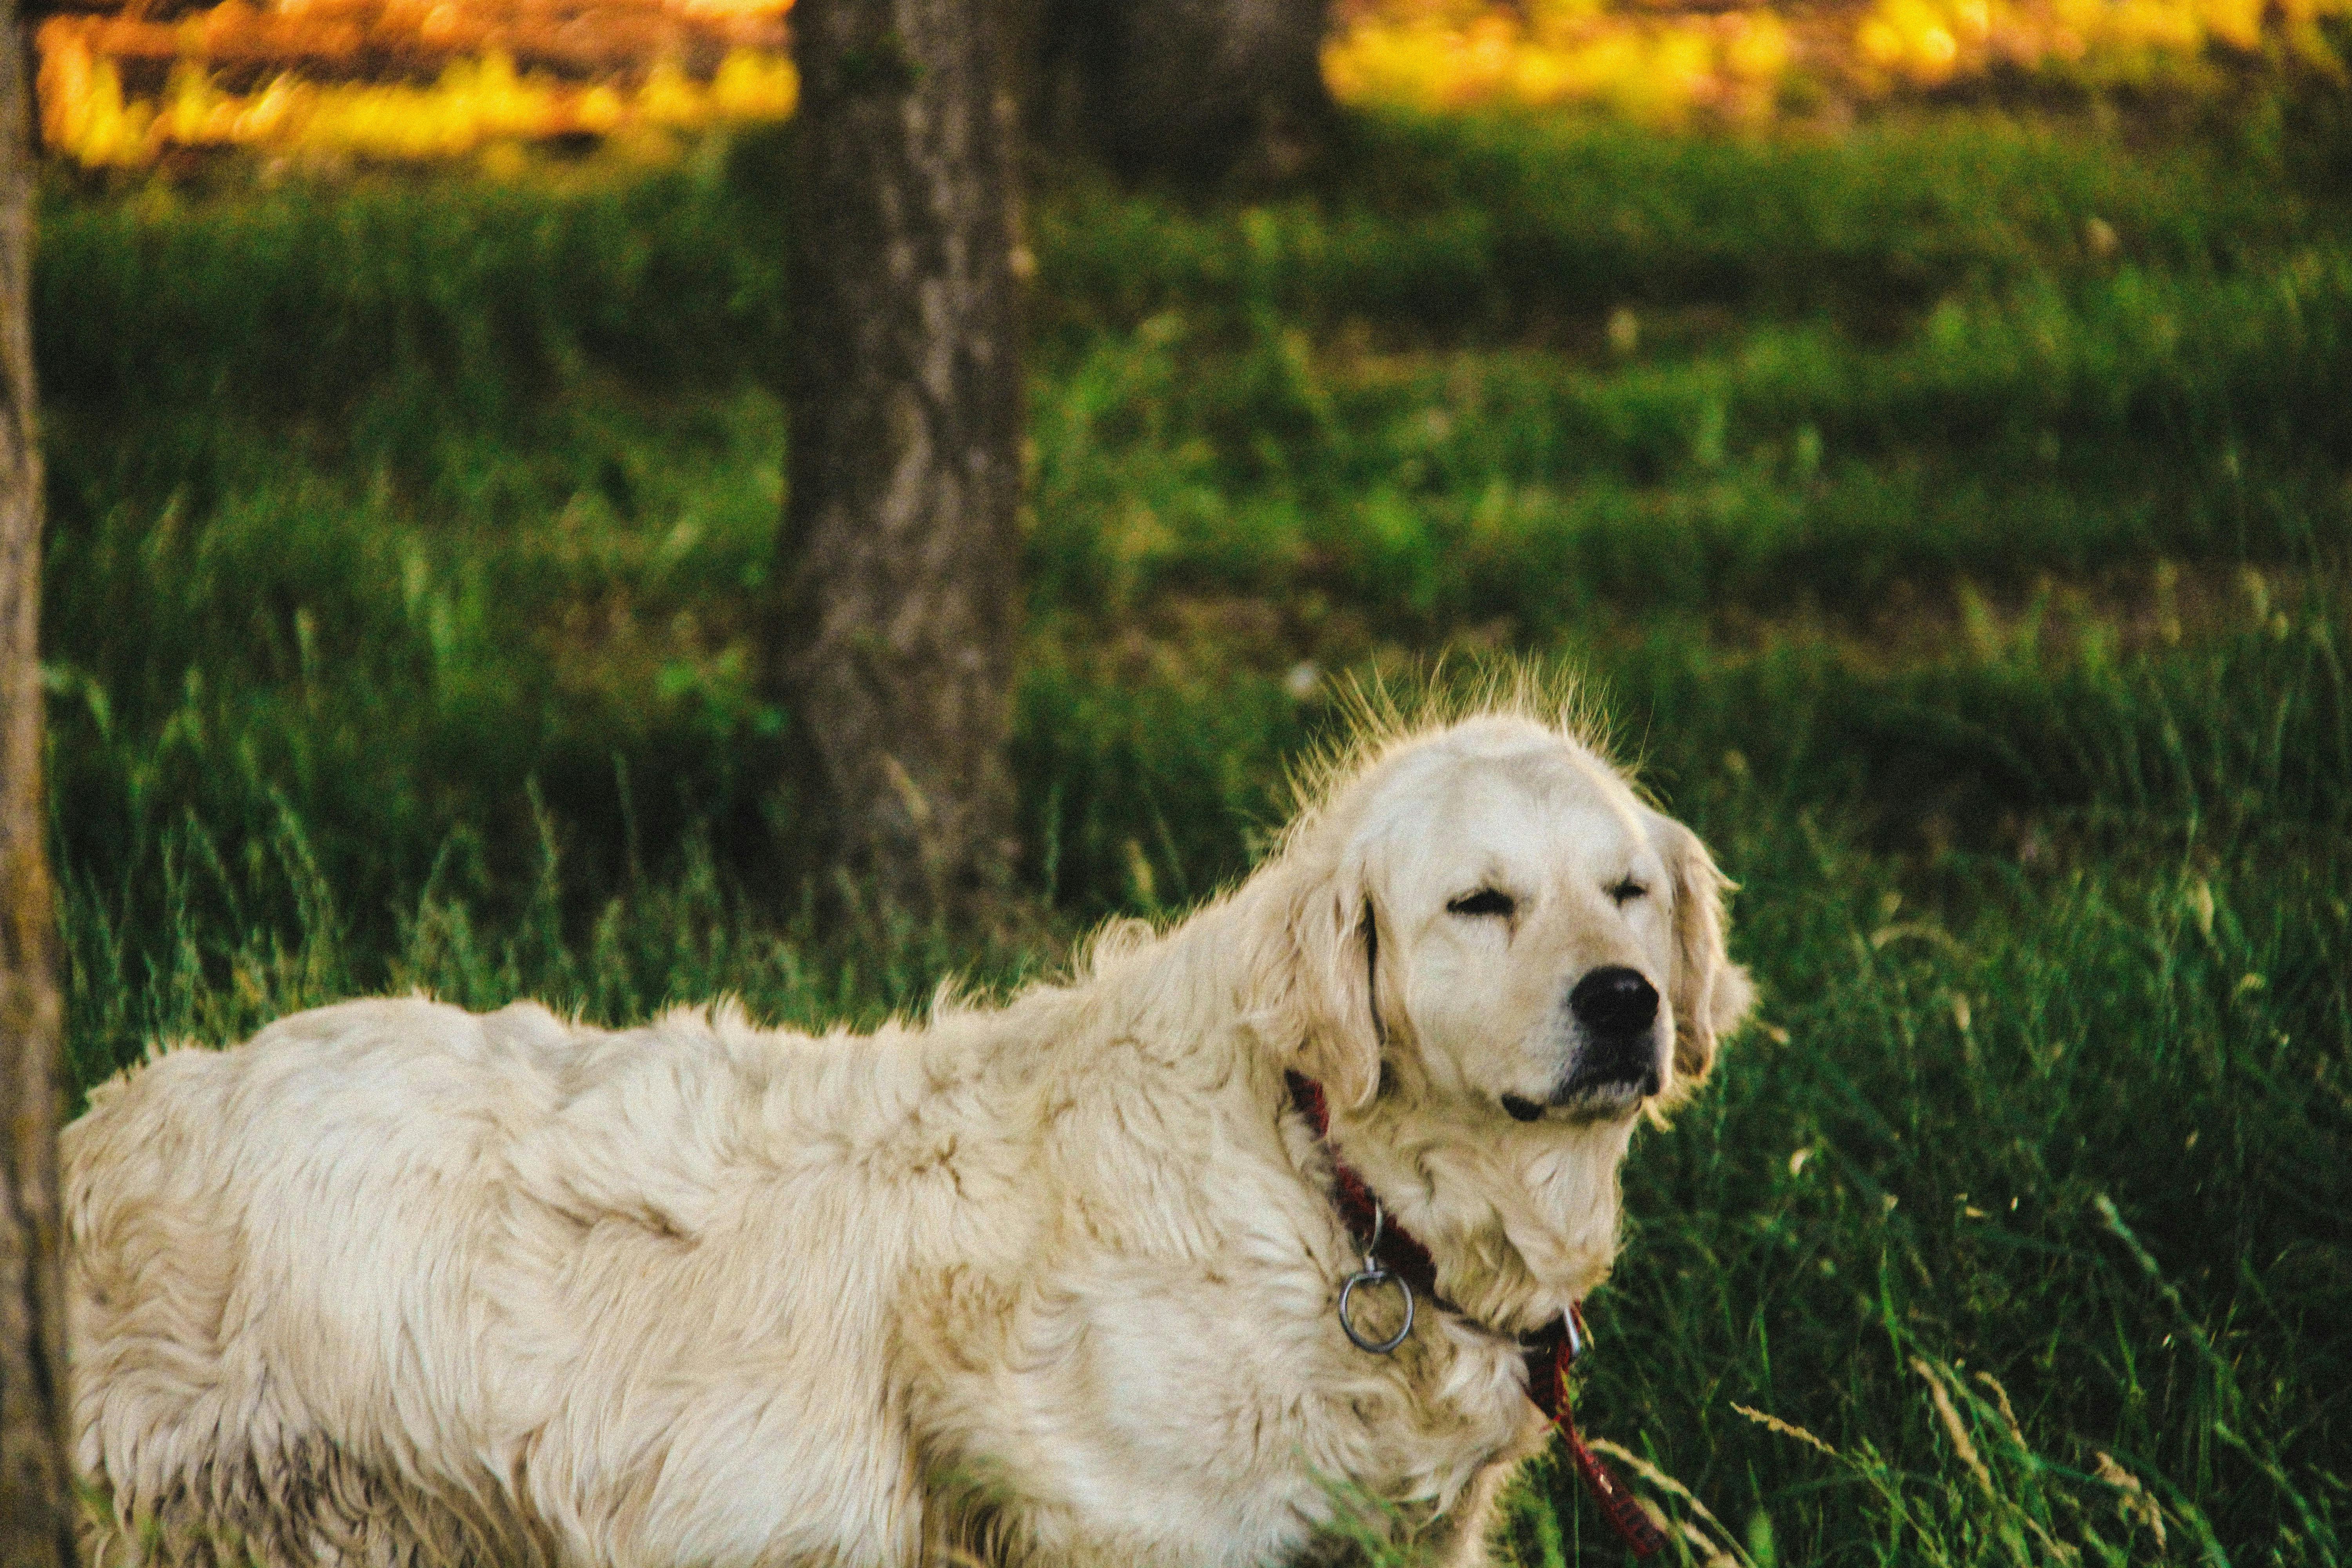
point(1618, 1101)
point(1602, 1103)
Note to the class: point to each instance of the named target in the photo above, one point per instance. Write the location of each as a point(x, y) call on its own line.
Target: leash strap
point(1549, 1353)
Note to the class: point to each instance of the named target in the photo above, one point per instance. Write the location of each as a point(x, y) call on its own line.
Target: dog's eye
point(1484, 901)
point(1626, 892)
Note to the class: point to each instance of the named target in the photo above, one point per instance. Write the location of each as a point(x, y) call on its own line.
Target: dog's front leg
point(1462, 1537)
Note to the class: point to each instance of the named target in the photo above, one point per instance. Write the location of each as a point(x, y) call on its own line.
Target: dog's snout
point(1617, 1009)
point(1614, 1001)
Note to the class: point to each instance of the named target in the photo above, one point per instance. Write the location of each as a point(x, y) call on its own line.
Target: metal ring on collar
point(1375, 1276)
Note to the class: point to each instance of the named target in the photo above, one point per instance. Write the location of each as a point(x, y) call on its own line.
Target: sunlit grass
point(1951, 514)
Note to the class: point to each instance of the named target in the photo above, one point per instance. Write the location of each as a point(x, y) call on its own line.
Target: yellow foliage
point(1647, 63)
point(475, 103)
point(1653, 68)
point(1925, 42)
point(478, 100)
point(1660, 65)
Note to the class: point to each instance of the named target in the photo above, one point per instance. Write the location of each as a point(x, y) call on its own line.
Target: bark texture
point(36, 1515)
point(901, 533)
point(1196, 90)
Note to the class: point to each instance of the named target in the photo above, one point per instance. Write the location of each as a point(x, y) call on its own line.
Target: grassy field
point(1953, 515)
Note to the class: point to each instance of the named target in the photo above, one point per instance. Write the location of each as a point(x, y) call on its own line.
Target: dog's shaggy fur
point(1048, 1282)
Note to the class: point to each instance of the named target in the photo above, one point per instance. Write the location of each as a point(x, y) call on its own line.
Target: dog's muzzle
point(1616, 1062)
point(1616, 1011)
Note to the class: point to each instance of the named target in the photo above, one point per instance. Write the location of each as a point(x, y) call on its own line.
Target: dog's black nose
point(1614, 1001)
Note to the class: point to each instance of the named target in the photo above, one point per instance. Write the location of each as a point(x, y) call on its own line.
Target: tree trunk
point(901, 540)
point(37, 1517)
point(1196, 90)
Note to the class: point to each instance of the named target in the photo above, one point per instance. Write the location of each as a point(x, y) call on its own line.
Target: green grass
point(1971, 574)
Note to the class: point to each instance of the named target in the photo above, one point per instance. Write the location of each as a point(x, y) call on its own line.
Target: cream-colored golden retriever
point(1050, 1282)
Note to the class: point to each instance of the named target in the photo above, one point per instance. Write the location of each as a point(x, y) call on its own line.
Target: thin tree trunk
point(36, 1520)
point(1196, 90)
point(900, 539)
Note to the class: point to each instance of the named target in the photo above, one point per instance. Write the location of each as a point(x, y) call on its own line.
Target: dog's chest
point(1217, 1413)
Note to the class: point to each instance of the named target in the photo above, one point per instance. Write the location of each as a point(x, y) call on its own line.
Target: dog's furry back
point(743, 1294)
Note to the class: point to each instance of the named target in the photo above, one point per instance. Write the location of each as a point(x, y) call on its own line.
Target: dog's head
point(1493, 954)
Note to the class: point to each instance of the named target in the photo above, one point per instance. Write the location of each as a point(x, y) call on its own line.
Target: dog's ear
point(1711, 994)
point(1314, 953)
